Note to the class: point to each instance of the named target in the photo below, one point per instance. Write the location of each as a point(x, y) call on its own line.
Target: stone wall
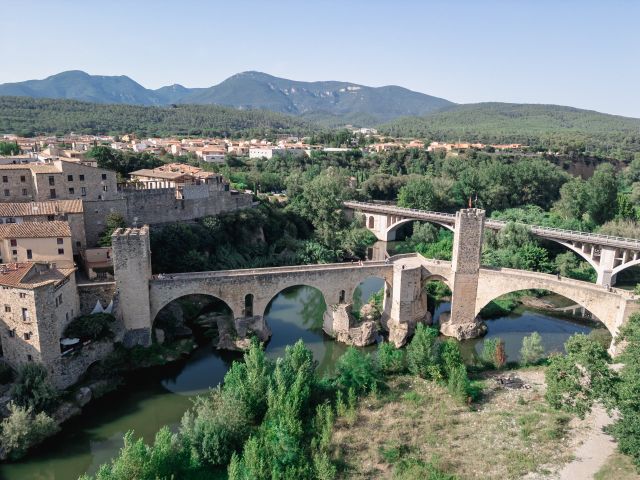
point(69, 369)
point(159, 206)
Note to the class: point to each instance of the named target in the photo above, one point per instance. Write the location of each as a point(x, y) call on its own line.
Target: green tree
point(356, 370)
point(32, 388)
point(23, 429)
point(113, 221)
point(423, 353)
point(532, 350)
point(390, 359)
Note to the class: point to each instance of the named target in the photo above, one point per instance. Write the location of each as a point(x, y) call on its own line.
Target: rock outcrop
point(340, 324)
point(462, 331)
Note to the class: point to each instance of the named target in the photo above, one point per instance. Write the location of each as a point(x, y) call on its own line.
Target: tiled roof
point(40, 208)
point(157, 174)
point(34, 167)
point(35, 230)
point(31, 275)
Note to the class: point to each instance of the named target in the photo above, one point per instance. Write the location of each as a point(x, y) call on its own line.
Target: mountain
point(255, 90)
point(79, 85)
point(554, 127)
point(328, 101)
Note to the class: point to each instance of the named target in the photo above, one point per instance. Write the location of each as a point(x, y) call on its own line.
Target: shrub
point(356, 370)
point(423, 353)
point(493, 353)
point(627, 432)
point(23, 429)
point(458, 383)
point(96, 326)
point(450, 356)
point(390, 359)
point(532, 350)
point(215, 427)
point(32, 388)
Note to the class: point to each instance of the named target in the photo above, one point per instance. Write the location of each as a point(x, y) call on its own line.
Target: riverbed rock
point(65, 411)
point(369, 312)
point(462, 331)
point(83, 396)
point(339, 323)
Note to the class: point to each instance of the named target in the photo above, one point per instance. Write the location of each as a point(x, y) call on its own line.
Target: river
point(158, 397)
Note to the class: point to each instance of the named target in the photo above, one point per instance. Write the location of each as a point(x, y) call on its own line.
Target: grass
point(618, 467)
point(415, 429)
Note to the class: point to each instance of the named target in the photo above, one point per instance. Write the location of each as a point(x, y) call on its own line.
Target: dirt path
point(593, 453)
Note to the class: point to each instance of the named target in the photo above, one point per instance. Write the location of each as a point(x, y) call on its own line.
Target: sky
point(580, 53)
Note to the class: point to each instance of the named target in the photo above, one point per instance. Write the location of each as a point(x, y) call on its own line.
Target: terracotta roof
point(157, 174)
point(40, 208)
point(35, 230)
point(31, 275)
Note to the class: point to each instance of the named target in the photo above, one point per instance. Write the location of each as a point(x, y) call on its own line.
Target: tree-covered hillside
point(553, 127)
point(31, 116)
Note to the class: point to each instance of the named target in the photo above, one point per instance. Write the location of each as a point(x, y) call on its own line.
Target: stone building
point(36, 241)
point(37, 301)
point(59, 179)
point(71, 211)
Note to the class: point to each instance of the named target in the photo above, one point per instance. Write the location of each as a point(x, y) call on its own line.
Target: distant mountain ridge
point(247, 90)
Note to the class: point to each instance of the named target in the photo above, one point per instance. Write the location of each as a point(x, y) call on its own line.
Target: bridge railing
point(549, 232)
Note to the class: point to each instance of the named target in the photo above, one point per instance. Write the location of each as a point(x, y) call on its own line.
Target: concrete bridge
point(608, 255)
point(248, 292)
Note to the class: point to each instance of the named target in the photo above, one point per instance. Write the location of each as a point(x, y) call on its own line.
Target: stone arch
point(386, 299)
point(281, 288)
point(604, 306)
point(434, 277)
point(236, 312)
point(390, 231)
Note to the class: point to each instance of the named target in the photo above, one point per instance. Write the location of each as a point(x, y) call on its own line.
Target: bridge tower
point(132, 271)
point(465, 265)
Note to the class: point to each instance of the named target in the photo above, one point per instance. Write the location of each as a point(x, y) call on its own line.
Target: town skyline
point(539, 52)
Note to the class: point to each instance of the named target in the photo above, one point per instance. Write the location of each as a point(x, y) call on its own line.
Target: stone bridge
point(248, 292)
point(608, 255)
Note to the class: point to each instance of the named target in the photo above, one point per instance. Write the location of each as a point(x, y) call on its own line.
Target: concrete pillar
point(408, 303)
point(467, 248)
point(132, 271)
point(605, 266)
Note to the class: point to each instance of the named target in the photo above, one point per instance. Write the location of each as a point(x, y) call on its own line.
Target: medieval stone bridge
point(608, 255)
point(248, 292)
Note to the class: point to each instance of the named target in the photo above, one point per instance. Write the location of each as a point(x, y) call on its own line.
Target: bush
point(532, 350)
point(32, 388)
point(450, 356)
point(390, 359)
point(96, 326)
point(458, 383)
point(22, 430)
point(493, 353)
point(356, 370)
point(423, 353)
point(215, 427)
point(627, 432)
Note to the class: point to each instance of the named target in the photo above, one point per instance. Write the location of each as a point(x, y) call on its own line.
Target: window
point(5, 179)
point(12, 333)
point(61, 251)
point(23, 179)
point(71, 191)
point(50, 218)
point(29, 254)
point(25, 192)
point(14, 252)
point(7, 308)
point(59, 300)
point(52, 180)
point(27, 335)
point(60, 241)
point(7, 193)
point(29, 357)
point(79, 244)
point(25, 314)
point(82, 178)
point(23, 295)
point(104, 176)
point(83, 191)
point(104, 188)
point(52, 193)
point(14, 242)
point(70, 178)
point(11, 220)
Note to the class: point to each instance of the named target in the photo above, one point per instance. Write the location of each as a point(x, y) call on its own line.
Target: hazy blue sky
point(570, 52)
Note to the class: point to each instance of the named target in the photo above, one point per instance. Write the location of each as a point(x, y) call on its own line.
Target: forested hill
point(31, 116)
point(548, 126)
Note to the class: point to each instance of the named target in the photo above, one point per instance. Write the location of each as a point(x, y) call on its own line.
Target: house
point(174, 175)
point(36, 241)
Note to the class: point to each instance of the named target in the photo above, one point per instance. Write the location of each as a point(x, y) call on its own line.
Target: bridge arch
point(386, 296)
point(160, 301)
point(390, 231)
point(313, 305)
